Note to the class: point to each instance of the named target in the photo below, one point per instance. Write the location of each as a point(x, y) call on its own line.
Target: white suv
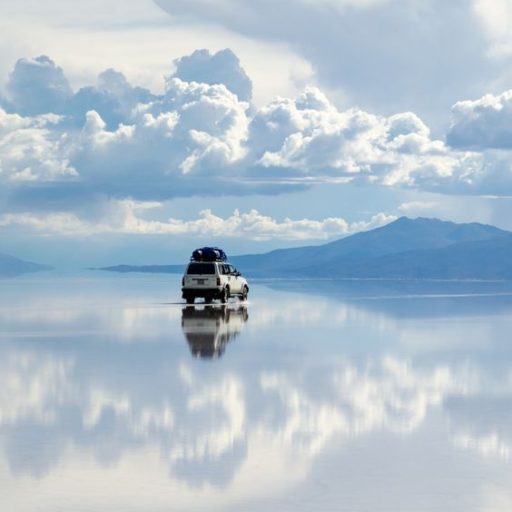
point(213, 280)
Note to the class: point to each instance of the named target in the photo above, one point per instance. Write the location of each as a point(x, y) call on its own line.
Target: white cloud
point(312, 136)
point(222, 67)
point(414, 206)
point(62, 222)
point(139, 38)
point(199, 138)
point(32, 150)
point(125, 217)
point(358, 46)
point(496, 18)
point(38, 86)
point(459, 208)
point(192, 135)
point(485, 123)
point(113, 98)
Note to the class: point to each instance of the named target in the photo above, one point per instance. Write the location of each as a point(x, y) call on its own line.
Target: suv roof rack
point(209, 254)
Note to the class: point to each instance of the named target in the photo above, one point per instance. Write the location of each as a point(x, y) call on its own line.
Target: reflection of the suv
point(208, 329)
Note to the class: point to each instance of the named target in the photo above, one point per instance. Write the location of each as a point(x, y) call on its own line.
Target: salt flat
point(359, 396)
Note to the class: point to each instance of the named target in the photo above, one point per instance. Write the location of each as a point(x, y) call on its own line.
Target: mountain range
point(404, 249)
point(11, 266)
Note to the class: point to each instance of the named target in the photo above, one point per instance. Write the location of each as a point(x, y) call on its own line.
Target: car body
point(212, 280)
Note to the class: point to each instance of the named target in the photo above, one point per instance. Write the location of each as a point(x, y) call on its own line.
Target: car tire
point(225, 295)
point(190, 300)
point(207, 300)
point(245, 293)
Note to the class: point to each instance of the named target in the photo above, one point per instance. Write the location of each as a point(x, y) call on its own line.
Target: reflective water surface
point(346, 396)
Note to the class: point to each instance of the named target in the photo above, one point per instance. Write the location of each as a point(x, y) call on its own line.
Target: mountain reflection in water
point(208, 329)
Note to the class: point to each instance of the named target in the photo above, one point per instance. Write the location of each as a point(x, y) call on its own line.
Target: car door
point(226, 272)
point(234, 280)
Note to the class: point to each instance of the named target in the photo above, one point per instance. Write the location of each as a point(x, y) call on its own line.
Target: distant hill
point(484, 259)
point(11, 266)
point(355, 255)
point(404, 249)
point(146, 269)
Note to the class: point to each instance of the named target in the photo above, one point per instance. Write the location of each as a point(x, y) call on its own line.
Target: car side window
point(225, 270)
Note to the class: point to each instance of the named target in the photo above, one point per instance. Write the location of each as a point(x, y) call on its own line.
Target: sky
point(133, 132)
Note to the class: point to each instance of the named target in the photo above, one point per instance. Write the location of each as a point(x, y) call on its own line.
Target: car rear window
point(201, 268)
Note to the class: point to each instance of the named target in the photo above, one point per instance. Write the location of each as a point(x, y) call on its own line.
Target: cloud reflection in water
point(277, 403)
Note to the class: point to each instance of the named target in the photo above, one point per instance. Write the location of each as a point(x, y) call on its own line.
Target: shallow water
point(346, 396)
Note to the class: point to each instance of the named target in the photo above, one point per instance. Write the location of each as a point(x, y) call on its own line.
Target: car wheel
point(225, 295)
point(190, 300)
point(245, 292)
point(207, 300)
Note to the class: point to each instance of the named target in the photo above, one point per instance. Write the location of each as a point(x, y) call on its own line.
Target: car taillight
point(218, 281)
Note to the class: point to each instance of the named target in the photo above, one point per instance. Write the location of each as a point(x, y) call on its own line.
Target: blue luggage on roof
point(209, 254)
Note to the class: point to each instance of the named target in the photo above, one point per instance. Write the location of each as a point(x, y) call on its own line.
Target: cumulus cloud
point(194, 134)
point(117, 140)
point(222, 67)
point(310, 135)
point(126, 217)
point(38, 86)
point(113, 98)
point(31, 150)
point(358, 46)
point(485, 123)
